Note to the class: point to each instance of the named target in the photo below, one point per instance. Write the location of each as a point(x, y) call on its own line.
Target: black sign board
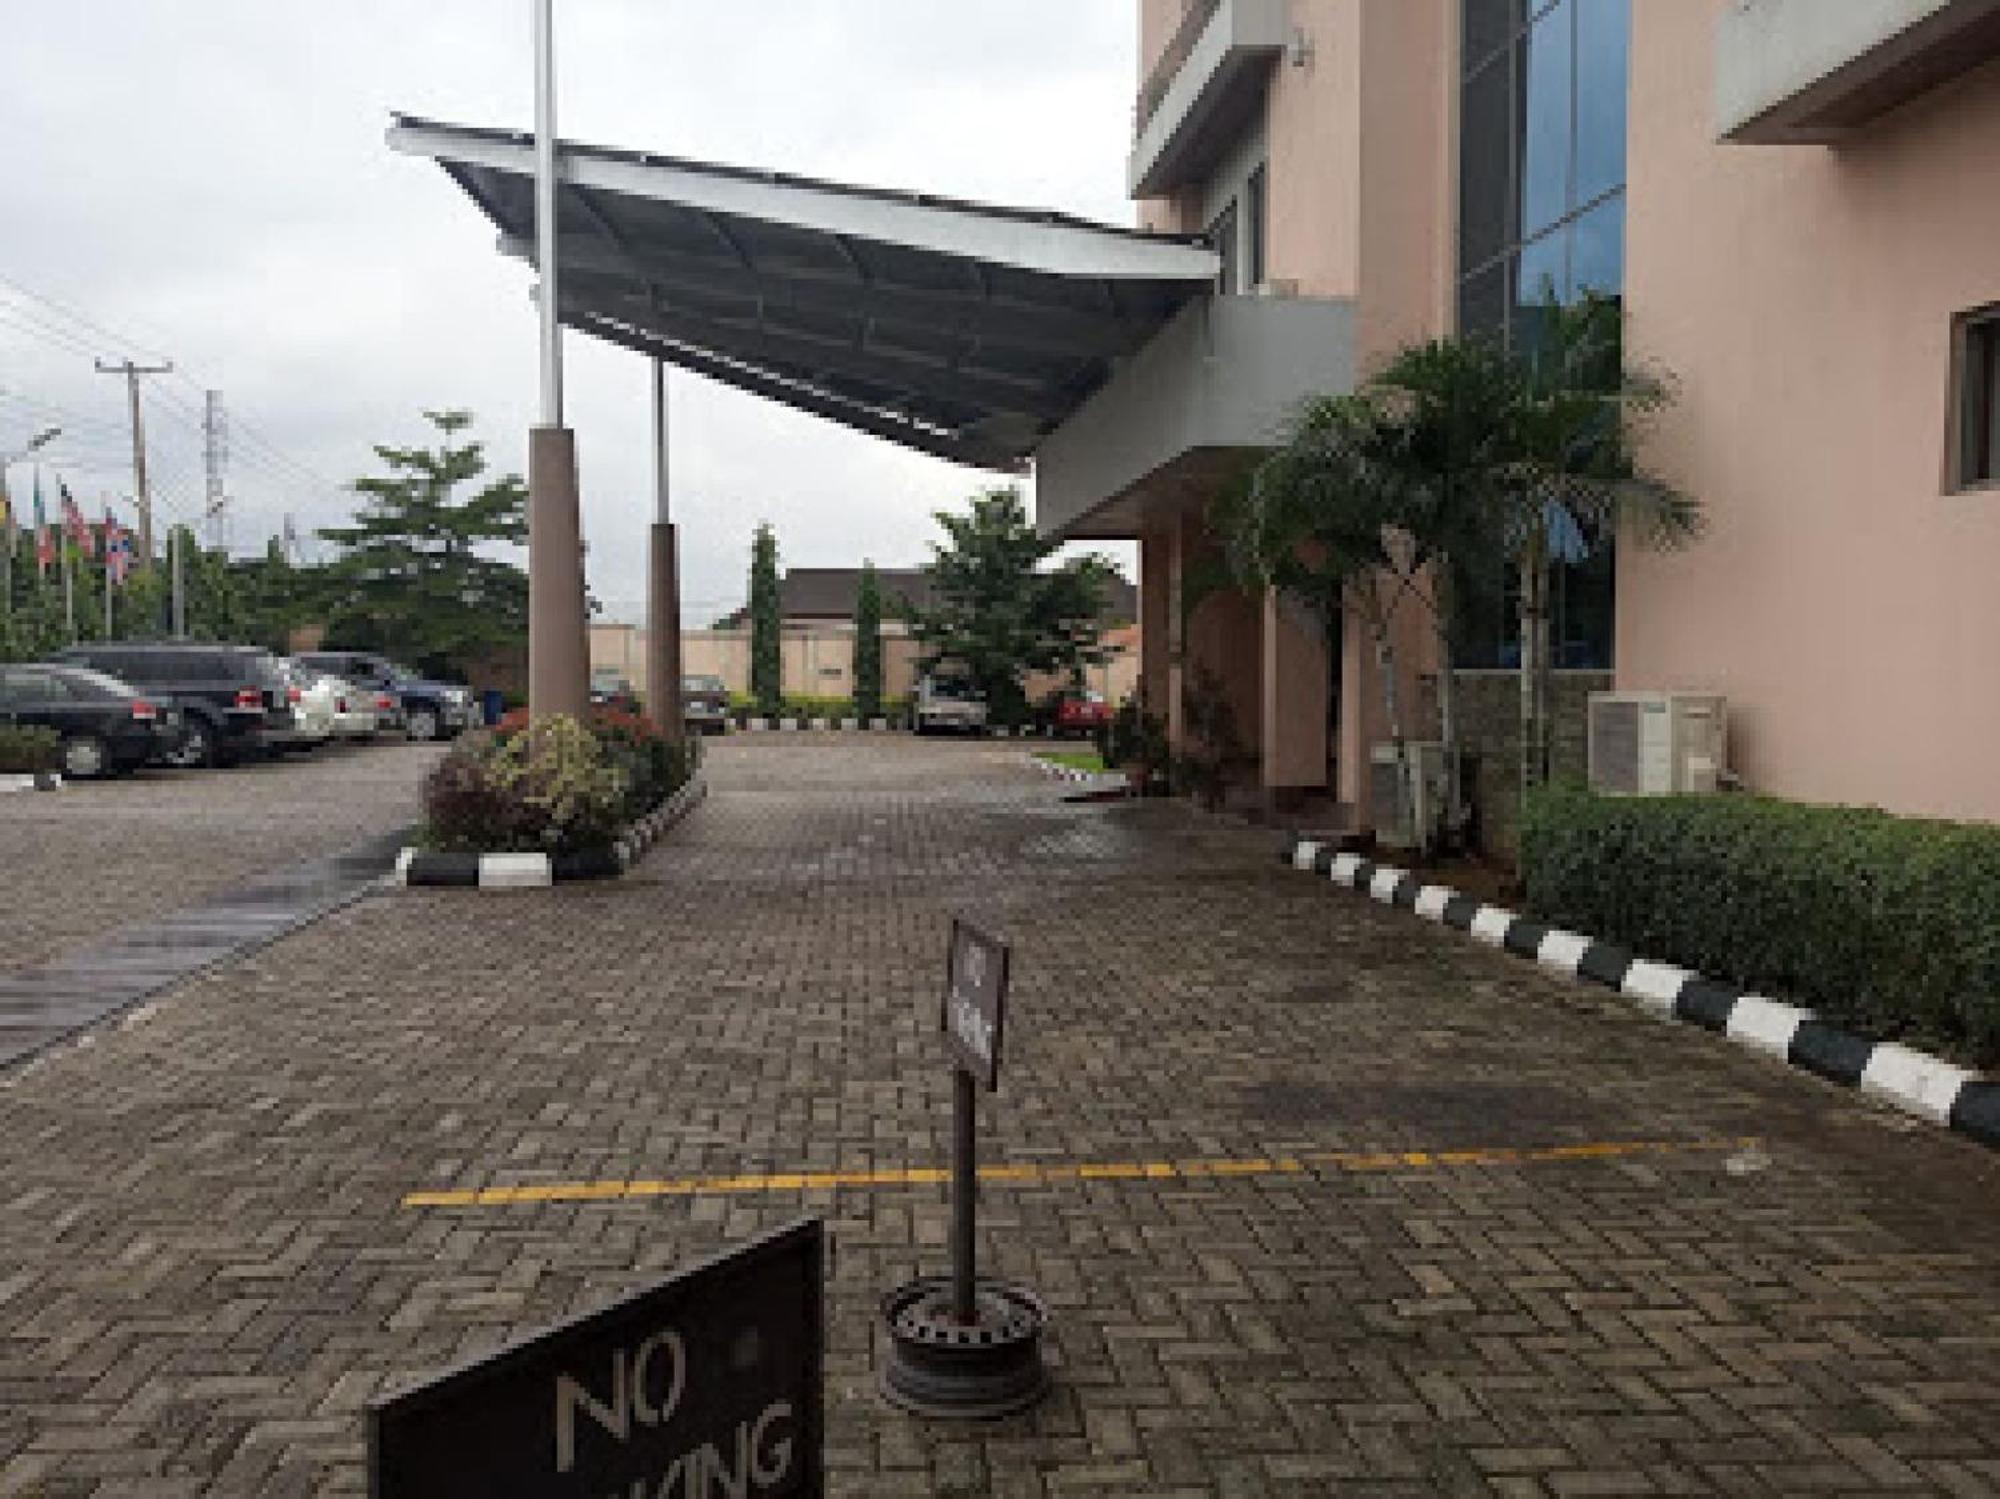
point(708, 1383)
point(975, 1000)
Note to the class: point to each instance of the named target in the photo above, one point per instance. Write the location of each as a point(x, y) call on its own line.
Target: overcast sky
point(206, 181)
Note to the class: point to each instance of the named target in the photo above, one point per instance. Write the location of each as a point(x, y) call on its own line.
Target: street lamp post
point(558, 633)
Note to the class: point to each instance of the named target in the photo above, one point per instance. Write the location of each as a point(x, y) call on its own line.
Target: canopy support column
point(663, 588)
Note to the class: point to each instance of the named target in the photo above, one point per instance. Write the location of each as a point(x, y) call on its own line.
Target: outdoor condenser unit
point(1657, 743)
point(1413, 822)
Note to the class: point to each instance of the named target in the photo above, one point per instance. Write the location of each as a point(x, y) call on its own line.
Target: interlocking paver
point(207, 1270)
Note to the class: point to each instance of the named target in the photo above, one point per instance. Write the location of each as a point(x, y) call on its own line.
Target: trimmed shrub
point(29, 751)
point(548, 789)
point(1887, 925)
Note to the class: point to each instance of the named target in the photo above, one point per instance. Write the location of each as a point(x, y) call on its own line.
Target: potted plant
point(1135, 741)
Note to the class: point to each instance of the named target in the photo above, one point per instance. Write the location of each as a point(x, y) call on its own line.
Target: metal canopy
point(962, 330)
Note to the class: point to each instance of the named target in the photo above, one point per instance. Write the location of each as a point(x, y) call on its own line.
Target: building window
point(1541, 180)
point(1976, 462)
point(1222, 235)
point(1258, 202)
point(1542, 129)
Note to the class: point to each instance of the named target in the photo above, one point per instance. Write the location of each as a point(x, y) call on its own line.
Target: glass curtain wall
point(1542, 112)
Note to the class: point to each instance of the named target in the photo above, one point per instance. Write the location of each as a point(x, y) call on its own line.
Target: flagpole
point(69, 588)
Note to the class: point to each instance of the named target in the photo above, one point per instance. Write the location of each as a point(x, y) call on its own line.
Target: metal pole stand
point(961, 1347)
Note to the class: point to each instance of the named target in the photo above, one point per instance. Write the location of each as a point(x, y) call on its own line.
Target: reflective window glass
point(1485, 188)
point(1482, 302)
point(1603, 64)
point(1542, 279)
point(1546, 122)
point(1597, 250)
point(1488, 25)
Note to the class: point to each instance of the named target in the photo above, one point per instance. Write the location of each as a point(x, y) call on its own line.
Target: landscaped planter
point(531, 871)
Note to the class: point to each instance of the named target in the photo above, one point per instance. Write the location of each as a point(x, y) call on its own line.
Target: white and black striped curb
point(420, 868)
point(1096, 780)
point(46, 781)
point(821, 725)
point(1919, 1084)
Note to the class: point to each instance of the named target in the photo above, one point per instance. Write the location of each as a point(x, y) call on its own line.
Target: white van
point(947, 704)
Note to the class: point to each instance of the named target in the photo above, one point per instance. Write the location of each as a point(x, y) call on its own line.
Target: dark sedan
point(106, 727)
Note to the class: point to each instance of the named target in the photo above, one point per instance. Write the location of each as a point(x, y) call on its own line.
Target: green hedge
point(1886, 925)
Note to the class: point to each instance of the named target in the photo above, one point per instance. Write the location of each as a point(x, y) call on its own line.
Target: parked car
point(613, 689)
point(233, 699)
point(705, 704)
point(354, 715)
point(313, 696)
point(1077, 713)
point(949, 704)
point(107, 728)
point(431, 710)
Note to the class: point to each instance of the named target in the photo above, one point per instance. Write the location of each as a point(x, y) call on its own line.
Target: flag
point(75, 527)
point(117, 548)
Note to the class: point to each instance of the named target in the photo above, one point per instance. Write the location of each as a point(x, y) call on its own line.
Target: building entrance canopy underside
point(965, 331)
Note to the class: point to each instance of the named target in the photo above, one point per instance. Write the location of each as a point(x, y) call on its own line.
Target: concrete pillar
point(558, 629)
point(1295, 688)
point(1156, 568)
point(663, 631)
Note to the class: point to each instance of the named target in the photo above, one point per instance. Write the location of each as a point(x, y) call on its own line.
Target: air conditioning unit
point(1657, 743)
point(1411, 818)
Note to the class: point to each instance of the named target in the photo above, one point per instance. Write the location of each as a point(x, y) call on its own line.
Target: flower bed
point(575, 792)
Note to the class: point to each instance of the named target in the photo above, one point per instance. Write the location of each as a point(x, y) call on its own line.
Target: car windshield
point(398, 673)
point(956, 688)
point(702, 684)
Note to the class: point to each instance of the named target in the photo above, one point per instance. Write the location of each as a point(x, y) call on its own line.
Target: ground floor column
point(663, 633)
point(1295, 684)
point(558, 630)
point(1156, 582)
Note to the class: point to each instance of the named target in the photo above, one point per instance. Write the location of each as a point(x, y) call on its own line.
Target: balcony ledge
point(1816, 71)
point(1208, 96)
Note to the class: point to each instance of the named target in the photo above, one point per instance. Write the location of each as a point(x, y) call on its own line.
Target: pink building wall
point(1804, 298)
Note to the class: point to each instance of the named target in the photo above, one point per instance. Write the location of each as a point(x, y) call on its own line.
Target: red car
point(1081, 713)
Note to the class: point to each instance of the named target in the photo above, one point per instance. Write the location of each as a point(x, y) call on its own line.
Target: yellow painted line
point(1321, 1163)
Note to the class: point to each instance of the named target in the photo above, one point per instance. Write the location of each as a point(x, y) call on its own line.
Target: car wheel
point(84, 757)
point(423, 724)
point(197, 747)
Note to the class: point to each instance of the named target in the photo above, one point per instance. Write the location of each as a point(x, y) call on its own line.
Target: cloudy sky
point(206, 181)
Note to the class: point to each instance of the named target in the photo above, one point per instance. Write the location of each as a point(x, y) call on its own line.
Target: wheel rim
point(194, 747)
point(83, 757)
point(424, 725)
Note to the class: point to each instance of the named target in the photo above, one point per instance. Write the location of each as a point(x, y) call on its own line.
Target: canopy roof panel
point(961, 329)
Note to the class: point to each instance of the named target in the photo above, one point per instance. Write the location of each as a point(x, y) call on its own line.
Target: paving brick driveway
point(98, 853)
point(206, 1269)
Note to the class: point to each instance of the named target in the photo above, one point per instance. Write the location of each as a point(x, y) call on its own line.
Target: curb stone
point(1100, 780)
point(50, 781)
point(1925, 1086)
point(417, 868)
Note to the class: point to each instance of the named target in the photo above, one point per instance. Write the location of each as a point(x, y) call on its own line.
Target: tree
point(412, 575)
point(767, 662)
point(999, 614)
point(868, 645)
point(1571, 457)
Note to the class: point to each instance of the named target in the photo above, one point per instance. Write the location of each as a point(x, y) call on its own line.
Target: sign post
point(961, 1346)
point(710, 1382)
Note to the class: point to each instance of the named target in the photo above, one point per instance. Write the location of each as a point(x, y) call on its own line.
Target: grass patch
point(1088, 760)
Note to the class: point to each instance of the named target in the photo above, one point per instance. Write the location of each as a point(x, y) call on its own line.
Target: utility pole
point(215, 457)
point(132, 372)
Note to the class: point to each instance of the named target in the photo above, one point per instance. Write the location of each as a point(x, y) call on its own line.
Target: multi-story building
point(1795, 199)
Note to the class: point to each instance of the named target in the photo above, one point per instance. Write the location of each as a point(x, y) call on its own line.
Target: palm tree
point(1458, 450)
point(1576, 423)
